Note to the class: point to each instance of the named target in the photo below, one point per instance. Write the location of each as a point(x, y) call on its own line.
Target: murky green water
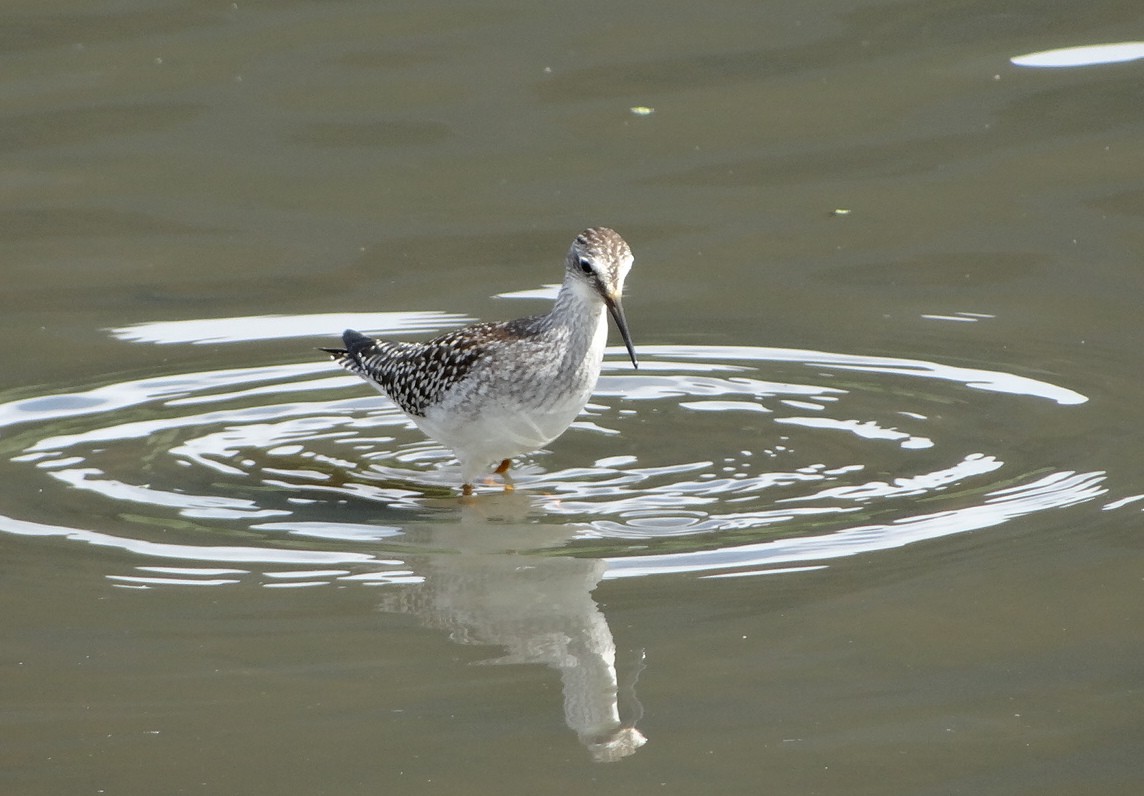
point(866, 519)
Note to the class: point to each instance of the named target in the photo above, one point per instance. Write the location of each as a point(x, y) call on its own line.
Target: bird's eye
point(586, 267)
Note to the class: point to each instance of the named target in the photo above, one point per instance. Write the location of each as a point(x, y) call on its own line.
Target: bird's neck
point(577, 302)
point(579, 311)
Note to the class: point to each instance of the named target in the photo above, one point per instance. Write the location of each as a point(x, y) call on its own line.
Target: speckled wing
point(416, 375)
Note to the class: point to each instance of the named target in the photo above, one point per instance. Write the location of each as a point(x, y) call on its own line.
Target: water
point(864, 521)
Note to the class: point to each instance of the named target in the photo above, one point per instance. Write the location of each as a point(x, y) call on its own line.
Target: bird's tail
point(350, 356)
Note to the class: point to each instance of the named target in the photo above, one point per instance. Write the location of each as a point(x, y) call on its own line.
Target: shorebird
point(492, 391)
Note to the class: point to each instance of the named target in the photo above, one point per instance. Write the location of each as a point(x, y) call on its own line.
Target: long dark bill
point(617, 311)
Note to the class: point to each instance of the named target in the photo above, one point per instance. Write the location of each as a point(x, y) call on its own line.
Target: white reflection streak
point(756, 572)
point(1116, 504)
point(922, 484)
point(542, 292)
point(204, 572)
point(336, 531)
point(142, 581)
point(277, 327)
point(329, 383)
point(989, 380)
point(189, 505)
point(220, 553)
point(865, 429)
point(140, 429)
point(1086, 55)
point(1053, 491)
point(114, 397)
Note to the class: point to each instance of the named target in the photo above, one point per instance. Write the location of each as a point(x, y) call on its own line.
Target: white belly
point(510, 409)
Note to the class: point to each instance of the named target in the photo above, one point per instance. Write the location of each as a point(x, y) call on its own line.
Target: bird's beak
point(617, 312)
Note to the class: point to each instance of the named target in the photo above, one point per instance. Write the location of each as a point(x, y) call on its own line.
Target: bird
point(496, 390)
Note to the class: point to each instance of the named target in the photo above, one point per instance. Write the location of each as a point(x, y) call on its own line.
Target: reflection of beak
point(617, 311)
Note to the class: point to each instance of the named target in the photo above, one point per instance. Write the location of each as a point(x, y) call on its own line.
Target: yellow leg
point(502, 470)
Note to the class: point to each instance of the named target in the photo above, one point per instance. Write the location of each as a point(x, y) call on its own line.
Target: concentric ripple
point(721, 460)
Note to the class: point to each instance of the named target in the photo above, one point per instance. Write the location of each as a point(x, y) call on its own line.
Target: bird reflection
point(539, 608)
